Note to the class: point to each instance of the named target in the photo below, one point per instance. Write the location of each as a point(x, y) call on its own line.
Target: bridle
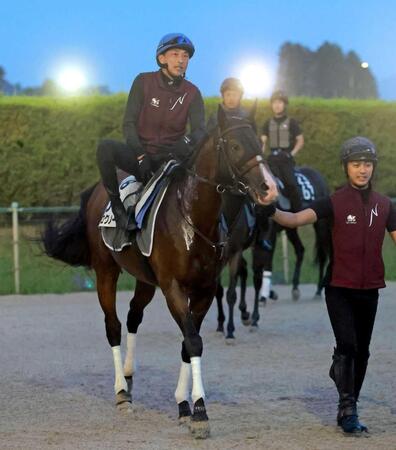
point(237, 186)
point(236, 172)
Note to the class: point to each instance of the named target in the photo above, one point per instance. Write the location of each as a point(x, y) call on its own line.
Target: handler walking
point(360, 217)
point(160, 105)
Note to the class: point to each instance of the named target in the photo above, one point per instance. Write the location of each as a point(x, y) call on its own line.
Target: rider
point(359, 217)
point(160, 104)
point(285, 141)
point(231, 90)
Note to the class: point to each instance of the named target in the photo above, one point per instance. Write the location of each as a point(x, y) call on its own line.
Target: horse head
point(241, 159)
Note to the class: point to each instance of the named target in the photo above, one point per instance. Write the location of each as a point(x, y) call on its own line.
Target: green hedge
point(47, 146)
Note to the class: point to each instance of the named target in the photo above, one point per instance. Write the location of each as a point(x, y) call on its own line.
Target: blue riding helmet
point(175, 40)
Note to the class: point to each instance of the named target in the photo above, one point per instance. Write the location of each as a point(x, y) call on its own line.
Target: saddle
point(142, 204)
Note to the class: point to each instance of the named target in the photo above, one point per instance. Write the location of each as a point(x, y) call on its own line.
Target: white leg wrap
point(130, 357)
point(182, 392)
point(266, 285)
point(120, 383)
point(197, 387)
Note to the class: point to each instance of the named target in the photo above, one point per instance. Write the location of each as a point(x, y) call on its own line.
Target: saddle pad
point(145, 236)
point(145, 203)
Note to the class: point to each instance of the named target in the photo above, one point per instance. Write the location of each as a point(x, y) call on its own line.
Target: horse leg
point(232, 297)
point(142, 297)
point(220, 315)
point(106, 281)
point(243, 274)
point(189, 322)
point(299, 250)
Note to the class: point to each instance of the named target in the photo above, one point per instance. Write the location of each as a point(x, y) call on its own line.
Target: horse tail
point(68, 242)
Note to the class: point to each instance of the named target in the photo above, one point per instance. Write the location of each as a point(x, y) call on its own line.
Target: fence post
point(15, 242)
point(285, 256)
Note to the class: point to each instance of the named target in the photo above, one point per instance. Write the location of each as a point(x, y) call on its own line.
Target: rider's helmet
point(174, 40)
point(358, 148)
point(279, 95)
point(231, 84)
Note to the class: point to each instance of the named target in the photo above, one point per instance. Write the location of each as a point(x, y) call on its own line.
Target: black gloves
point(145, 170)
point(183, 148)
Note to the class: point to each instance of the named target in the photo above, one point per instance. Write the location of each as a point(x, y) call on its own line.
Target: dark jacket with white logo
point(358, 234)
point(158, 112)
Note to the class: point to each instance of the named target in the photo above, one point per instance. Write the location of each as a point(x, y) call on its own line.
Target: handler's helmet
point(358, 149)
point(174, 40)
point(233, 84)
point(279, 95)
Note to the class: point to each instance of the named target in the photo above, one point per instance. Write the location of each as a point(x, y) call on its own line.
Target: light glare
point(71, 79)
point(256, 80)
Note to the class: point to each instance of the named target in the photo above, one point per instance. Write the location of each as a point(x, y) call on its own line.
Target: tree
point(326, 72)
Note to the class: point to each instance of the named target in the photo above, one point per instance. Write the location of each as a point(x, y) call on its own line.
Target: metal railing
point(15, 210)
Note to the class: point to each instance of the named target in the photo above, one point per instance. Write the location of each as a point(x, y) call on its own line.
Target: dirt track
point(269, 391)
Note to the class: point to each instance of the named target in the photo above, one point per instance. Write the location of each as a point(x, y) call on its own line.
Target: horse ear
point(252, 112)
point(221, 118)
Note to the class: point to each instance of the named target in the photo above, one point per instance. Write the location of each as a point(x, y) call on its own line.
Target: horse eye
point(235, 147)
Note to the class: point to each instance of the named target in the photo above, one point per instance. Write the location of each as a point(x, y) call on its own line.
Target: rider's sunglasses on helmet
point(176, 40)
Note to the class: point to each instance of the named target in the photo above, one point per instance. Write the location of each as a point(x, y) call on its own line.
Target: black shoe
point(351, 425)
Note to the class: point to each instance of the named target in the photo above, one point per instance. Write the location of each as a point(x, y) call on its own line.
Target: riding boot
point(342, 372)
point(360, 373)
point(120, 214)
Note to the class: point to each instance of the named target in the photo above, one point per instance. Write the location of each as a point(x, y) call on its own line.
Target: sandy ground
point(269, 391)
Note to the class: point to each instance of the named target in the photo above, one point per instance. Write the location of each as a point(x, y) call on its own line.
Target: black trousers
point(111, 155)
point(282, 166)
point(352, 315)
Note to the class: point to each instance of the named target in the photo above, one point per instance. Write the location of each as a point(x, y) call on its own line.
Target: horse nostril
point(264, 187)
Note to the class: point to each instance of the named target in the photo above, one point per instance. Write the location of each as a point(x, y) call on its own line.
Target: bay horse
point(186, 259)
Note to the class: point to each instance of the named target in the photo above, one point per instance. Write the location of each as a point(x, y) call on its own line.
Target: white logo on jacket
point(155, 102)
point(179, 100)
point(374, 212)
point(351, 220)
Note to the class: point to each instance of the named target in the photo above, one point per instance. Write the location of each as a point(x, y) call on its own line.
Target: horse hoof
point(317, 296)
point(184, 413)
point(123, 397)
point(253, 328)
point(184, 421)
point(199, 424)
point(262, 301)
point(230, 340)
point(125, 407)
point(246, 320)
point(295, 294)
point(199, 429)
point(274, 296)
